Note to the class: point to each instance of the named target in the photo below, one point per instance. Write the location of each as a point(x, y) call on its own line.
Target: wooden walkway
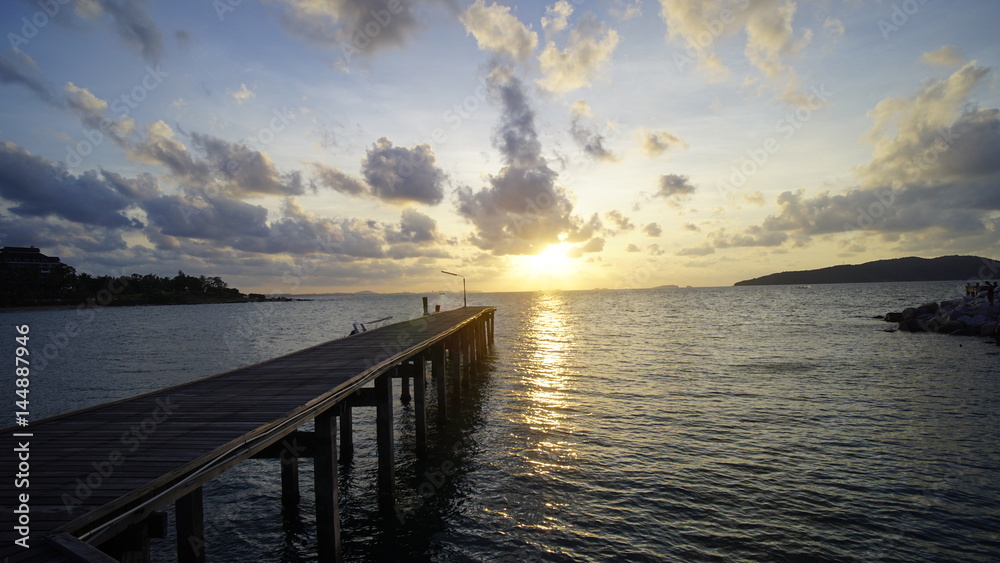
point(99, 478)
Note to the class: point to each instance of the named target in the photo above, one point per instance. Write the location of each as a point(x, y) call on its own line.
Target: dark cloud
point(414, 227)
point(21, 70)
point(246, 171)
point(673, 185)
point(589, 140)
point(218, 219)
point(401, 175)
point(354, 27)
point(38, 188)
point(334, 179)
point(522, 210)
point(56, 236)
point(132, 22)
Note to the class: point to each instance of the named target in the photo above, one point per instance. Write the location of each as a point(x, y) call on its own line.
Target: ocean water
point(707, 424)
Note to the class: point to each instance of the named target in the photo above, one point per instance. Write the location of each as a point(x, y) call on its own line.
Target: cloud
point(589, 140)
point(931, 184)
point(22, 70)
point(674, 186)
point(595, 244)
point(652, 230)
point(619, 221)
point(931, 134)
point(655, 250)
point(243, 95)
point(84, 102)
point(401, 175)
point(38, 188)
point(355, 26)
point(696, 251)
point(588, 48)
point(632, 248)
point(625, 9)
point(655, 143)
point(132, 22)
point(947, 55)
point(230, 168)
point(332, 178)
point(771, 39)
point(522, 210)
point(834, 28)
point(498, 31)
point(414, 227)
point(557, 16)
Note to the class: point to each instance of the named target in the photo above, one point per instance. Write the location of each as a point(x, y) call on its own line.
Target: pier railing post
point(404, 393)
point(190, 517)
point(325, 483)
point(384, 442)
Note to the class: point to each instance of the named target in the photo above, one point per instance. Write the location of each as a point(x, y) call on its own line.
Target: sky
point(307, 146)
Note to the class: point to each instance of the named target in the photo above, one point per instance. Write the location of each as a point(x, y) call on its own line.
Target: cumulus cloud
point(557, 16)
point(81, 100)
point(655, 143)
point(673, 186)
point(499, 31)
point(652, 230)
point(522, 210)
point(931, 184)
point(632, 248)
point(402, 175)
point(414, 227)
point(771, 39)
point(588, 48)
point(38, 188)
point(586, 137)
point(131, 21)
point(947, 55)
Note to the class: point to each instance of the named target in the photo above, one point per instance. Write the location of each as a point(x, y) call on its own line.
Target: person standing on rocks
point(989, 292)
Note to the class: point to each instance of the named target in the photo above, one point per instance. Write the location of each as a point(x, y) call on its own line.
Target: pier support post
point(492, 320)
point(289, 478)
point(325, 482)
point(455, 353)
point(437, 372)
point(190, 515)
point(404, 393)
point(420, 404)
point(384, 441)
point(346, 432)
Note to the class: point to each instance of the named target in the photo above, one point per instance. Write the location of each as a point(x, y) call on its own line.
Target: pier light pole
point(465, 300)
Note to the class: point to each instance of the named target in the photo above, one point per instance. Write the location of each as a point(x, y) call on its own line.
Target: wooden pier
point(100, 478)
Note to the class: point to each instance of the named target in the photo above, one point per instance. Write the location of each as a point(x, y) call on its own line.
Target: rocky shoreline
point(968, 316)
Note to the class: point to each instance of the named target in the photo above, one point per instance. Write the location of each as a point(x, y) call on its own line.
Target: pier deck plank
point(93, 466)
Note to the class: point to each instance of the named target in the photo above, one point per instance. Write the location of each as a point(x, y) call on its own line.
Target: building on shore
point(27, 273)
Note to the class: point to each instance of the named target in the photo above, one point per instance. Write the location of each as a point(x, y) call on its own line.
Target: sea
point(773, 423)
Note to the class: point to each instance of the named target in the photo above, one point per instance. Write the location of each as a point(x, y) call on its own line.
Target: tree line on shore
point(64, 286)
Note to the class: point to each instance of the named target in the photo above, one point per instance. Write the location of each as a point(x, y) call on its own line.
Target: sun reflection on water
point(548, 383)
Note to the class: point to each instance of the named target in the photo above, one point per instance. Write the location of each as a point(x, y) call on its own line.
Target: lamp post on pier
point(465, 300)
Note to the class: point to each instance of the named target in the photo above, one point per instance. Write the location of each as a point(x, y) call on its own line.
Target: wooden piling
point(190, 516)
point(384, 441)
point(420, 405)
point(325, 482)
point(437, 373)
point(404, 393)
point(289, 461)
point(346, 432)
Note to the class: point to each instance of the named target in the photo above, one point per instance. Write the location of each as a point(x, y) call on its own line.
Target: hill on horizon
point(944, 268)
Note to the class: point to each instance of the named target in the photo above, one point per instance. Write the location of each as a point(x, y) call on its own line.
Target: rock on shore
point(970, 316)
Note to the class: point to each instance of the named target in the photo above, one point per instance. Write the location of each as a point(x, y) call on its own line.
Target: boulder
point(909, 313)
point(929, 307)
point(952, 327)
point(894, 317)
point(951, 303)
point(988, 328)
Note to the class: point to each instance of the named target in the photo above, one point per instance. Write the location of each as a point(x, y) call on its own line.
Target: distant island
point(944, 268)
